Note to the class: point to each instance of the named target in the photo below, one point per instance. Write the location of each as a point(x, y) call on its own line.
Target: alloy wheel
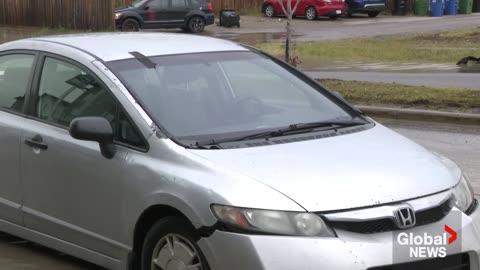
point(269, 12)
point(197, 24)
point(311, 14)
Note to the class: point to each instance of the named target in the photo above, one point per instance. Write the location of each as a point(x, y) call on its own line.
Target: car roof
point(117, 46)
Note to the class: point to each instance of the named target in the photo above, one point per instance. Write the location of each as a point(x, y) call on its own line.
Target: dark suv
point(189, 15)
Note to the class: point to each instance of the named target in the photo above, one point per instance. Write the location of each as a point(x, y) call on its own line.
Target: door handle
point(37, 142)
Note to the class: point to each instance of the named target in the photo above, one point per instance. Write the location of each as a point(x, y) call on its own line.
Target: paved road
point(458, 80)
point(460, 143)
point(360, 26)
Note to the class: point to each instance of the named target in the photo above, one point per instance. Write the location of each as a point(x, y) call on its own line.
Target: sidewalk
point(454, 80)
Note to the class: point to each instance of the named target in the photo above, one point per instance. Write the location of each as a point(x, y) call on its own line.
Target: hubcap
point(269, 11)
point(174, 252)
point(310, 14)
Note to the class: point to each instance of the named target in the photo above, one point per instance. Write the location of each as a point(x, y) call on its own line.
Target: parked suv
point(189, 15)
point(370, 7)
point(310, 9)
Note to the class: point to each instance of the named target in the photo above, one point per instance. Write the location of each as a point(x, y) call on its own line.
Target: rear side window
point(15, 72)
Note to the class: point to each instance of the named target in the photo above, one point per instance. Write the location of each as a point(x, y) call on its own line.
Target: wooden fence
point(122, 3)
point(74, 14)
point(238, 5)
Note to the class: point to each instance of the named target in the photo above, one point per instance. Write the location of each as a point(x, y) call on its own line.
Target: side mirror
point(95, 129)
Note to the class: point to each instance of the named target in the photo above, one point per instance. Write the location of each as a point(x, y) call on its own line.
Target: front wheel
point(311, 13)
point(373, 14)
point(196, 24)
point(171, 245)
point(130, 25)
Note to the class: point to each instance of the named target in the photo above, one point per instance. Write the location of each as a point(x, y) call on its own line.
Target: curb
point(421, 115)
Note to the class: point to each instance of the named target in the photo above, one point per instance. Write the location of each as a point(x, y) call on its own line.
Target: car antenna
point(143, 59)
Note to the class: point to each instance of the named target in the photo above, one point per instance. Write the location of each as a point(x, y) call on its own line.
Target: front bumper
point(350, 251)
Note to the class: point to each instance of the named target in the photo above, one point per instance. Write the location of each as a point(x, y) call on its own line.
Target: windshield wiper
point(291, 129)
point(304, 128)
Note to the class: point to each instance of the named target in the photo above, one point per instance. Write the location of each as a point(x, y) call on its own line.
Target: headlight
point(272, 222)
point(463, 193)
point(118, 15)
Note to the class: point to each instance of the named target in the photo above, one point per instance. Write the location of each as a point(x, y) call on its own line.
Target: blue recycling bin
point(451, 7)
point(436, 8)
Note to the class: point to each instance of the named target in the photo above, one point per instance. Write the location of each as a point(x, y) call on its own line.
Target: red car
point(311, 9)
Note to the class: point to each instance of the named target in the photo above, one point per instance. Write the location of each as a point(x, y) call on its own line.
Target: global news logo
point(426, 245)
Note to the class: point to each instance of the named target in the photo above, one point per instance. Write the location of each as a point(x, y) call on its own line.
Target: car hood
point(123, 9)
point(371, 167)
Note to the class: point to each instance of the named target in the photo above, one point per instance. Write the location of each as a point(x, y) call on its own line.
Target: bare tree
point(288, 11)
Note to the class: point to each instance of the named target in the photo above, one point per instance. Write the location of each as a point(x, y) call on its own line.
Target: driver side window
point(67, 92)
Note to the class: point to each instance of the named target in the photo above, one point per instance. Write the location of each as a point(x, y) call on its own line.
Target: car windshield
point(138, 3)
point(214, 95)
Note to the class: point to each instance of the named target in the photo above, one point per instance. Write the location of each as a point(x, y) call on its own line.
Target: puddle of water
point(254, 39)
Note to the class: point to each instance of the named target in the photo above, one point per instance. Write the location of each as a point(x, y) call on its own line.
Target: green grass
point(447, 47)
point(405, 96)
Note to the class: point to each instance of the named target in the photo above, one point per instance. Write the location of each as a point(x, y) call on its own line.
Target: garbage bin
point(476, 6)
point(465, 6)
point(421, 7)
point(399, 8)
point(436, 8)
point(451, 7)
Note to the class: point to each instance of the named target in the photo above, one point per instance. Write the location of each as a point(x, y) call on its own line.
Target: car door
point(16, 69)
point(177, 12)
point(71, 192)
point(154, 13)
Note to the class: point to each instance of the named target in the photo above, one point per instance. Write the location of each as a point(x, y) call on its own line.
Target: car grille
point(387, 224)
point(452, 262)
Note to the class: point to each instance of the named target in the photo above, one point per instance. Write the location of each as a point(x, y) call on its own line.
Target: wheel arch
point(194, 13)
point(145, 222)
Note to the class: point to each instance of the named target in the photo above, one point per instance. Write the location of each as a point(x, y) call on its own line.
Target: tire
point(238, 25)
point(196, 24)
point(348, 13)
point(168, 244)
point(311, 13)
point(130, 25)
point(269, 11)
point(373, 14)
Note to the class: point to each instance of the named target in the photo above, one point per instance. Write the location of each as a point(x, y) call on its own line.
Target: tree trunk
point(287, 42)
